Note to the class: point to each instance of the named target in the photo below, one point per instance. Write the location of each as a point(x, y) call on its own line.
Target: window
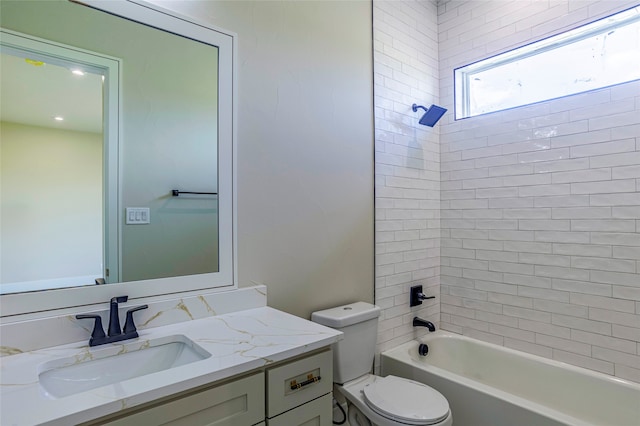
point(599, 54)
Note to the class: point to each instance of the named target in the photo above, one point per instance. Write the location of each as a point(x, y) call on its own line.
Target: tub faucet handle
point(416, 296)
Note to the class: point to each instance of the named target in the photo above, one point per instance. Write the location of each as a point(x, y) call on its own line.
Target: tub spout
point(418, 322)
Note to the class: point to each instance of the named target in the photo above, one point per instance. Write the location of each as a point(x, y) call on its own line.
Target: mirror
point(168, 125)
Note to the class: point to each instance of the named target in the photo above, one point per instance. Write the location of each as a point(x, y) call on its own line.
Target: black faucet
point(418, 322)
point(115, 333)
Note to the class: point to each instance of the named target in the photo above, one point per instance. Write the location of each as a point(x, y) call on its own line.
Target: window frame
point(462, 75)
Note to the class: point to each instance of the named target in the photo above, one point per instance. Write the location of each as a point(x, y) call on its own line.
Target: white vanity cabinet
point(293, 392)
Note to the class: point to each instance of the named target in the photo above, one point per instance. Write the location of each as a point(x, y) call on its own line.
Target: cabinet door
point(314, 413)
point(238, 403)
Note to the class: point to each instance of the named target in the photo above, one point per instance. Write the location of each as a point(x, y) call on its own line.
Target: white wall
point(305, 147)
point(407, 166)
point(541, 204)
point(51, 198)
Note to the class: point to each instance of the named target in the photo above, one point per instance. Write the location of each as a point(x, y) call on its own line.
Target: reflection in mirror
point(167, 137)
point(51, 172)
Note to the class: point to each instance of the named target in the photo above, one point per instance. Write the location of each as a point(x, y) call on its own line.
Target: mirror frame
point(38, 303)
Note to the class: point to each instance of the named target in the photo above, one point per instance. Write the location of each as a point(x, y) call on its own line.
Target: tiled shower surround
point(539, 205)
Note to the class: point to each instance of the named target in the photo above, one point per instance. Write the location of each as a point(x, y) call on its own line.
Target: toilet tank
point(353, 355)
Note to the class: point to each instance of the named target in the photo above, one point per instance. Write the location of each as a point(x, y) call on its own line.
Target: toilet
point(373, 400)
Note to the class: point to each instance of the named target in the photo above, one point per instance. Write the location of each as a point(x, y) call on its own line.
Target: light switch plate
point(137, 215)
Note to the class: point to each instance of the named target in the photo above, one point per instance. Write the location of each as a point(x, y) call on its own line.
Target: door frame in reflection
point(24, 45)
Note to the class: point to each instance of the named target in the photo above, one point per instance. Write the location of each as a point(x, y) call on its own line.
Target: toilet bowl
point(387, 401)
point(373, 400)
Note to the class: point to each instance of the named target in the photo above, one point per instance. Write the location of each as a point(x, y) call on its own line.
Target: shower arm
point(415, 107)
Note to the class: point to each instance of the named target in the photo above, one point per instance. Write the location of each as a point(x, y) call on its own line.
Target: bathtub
point(490, 385)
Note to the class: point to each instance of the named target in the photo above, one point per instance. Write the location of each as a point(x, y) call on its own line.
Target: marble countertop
point(238, 342)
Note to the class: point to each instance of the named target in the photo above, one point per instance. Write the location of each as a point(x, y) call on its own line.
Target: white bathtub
point(491, 385)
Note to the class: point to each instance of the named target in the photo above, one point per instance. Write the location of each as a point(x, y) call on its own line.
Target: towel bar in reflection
point(176, 193)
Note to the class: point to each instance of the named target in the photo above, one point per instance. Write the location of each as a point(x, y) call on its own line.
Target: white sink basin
point(115, 363)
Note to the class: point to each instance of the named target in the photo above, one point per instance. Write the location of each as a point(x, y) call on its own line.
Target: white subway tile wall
point(540, 204)
point(407, 166)
point(524, 223)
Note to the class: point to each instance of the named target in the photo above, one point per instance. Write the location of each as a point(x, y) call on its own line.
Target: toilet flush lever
point(417, 296)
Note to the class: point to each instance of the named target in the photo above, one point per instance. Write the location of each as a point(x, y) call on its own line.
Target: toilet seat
point(406, 401)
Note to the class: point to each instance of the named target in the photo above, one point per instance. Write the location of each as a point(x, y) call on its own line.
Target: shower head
point(431, 116)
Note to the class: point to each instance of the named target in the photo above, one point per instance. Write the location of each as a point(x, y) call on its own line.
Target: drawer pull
point(311, 380)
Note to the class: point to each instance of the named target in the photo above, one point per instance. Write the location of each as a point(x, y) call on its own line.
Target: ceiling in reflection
point(35, 93)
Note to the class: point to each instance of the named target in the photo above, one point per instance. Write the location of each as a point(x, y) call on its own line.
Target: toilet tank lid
point(343, 316)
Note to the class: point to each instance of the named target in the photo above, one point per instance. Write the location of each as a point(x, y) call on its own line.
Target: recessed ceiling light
point(77, 72)
point(58, 118)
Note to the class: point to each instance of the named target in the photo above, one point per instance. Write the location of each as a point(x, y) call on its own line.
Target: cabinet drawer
point(238, 403)
point(295, 383)
point(315, 413)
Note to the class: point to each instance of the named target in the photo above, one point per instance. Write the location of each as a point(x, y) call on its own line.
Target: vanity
point(271, 396)
point(245, 367)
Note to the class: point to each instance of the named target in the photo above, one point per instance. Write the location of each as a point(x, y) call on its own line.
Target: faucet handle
point(98, 332)
point(416, 296)
point(129, 325)
point(119, 299)
point(423, 296)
